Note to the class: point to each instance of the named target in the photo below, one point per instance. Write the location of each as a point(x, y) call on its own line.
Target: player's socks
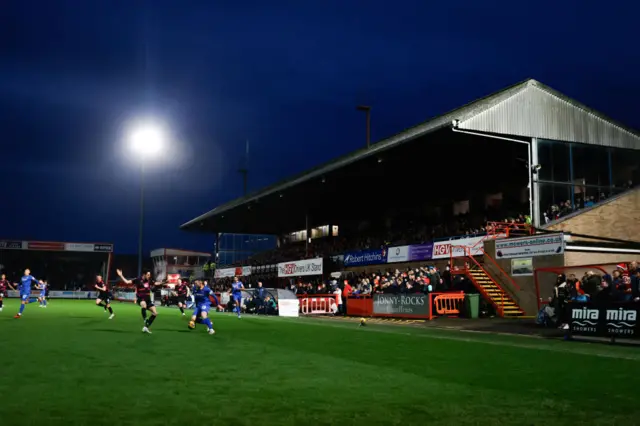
point(181, 309)
point(144, 313)
point(1, 304)
point(22, 305)
point(207, 322)
point(45, 303)
point(151, 319)
point(110, 310)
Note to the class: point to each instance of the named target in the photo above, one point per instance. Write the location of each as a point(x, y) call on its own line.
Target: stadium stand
point(506, 165)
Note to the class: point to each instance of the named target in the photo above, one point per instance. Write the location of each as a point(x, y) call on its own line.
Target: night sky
point(286, 75)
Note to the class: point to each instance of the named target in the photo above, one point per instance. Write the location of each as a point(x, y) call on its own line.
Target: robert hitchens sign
point(610, 320)
point(365, 257)
point(300, 268)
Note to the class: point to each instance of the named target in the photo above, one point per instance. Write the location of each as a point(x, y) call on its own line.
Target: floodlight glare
point(147, 140)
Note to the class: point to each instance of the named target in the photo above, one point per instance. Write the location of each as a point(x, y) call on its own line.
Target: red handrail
point(468, 254)
point(506, 227)
point(513, 283)
point(479, 287)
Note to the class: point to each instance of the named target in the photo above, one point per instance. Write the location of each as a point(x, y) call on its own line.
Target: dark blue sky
point(284, 74)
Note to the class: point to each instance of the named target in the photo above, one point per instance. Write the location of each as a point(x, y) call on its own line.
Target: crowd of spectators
point(423, 279)
point(622, 285)
point(418, 280)
point(581, 201)
point(418, 232)
point(411, 232)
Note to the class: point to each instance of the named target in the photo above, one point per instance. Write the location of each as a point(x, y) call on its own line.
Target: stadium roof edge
point(464, 114)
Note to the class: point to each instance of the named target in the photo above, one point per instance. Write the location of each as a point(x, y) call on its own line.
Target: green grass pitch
point(69, 365)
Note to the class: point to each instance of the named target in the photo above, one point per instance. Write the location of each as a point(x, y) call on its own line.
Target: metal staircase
point(501, 300)
point(493, 293)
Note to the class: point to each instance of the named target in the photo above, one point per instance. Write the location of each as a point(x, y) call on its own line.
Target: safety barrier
point(447, 304)
point(404, 306)
point(318, 304)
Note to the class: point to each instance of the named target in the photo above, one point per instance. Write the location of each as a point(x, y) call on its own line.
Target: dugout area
point(63, 269)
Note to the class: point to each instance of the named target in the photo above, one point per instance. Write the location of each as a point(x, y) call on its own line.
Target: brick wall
point(573, 258)
point(527, 295)
point(618, 218)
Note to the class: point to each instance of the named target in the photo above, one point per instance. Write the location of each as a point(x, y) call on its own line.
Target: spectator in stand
point(346, 292)
point(635, 282)
point(434, 278)
point(618, 288)
point(605, 290)
point(560, 299)
point(590, 283)
point(338, 293)
point(446, 278)
point(366, 288)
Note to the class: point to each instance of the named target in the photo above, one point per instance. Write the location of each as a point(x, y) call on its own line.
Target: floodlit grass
point(70, 365)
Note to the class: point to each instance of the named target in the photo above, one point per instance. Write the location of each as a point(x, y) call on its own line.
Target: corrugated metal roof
point(539, 111)
point(528, 109)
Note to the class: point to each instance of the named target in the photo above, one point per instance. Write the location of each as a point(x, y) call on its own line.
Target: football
point(192, 325)
point(363, 321)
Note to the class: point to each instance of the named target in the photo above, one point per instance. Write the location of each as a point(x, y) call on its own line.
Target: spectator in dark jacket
point(260, 295)
point(634, 273)
point(605, 289)
point(560, 298)
point(618, 286)
point(590, 284)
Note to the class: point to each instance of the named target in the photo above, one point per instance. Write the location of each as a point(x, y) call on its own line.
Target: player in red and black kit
point(4, 285)
point(144, 287)
point(182, 292)
point(104, 295)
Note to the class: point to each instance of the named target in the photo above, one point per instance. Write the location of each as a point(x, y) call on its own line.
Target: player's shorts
point(197, 312)
point(1, 294)
point(105, 297)
point(237, 298)
point(181, 299)
point(147, 300)
point(43, 294)
point(25, 297)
